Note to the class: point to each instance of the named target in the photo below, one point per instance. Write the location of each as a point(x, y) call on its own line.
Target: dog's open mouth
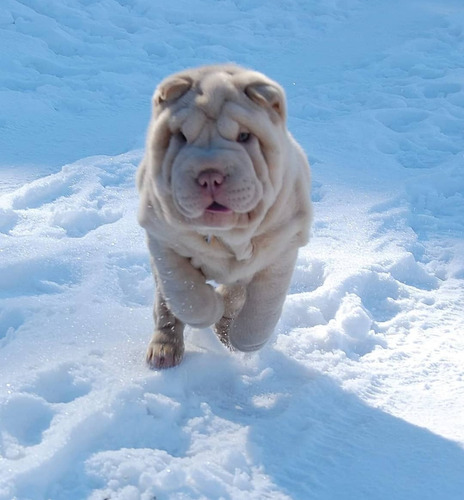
point(217, 207)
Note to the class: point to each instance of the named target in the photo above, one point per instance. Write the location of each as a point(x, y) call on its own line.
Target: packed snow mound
point(359, 394)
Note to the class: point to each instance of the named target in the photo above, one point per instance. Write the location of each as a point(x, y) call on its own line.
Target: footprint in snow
point(59, 385)
point(41, 192)
point(24, 417)
point(28, 414)
point(36, 276)
point(134, 278)
point(8, 220)
point(79, 222)
point(441, 89)
point(10, 321)
point(402, 120)
point(309, 275)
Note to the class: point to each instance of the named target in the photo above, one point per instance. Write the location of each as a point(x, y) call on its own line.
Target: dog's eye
point(243, 137)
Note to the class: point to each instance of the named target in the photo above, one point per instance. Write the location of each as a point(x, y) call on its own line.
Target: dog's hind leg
point(265, 297)
point(234, 299)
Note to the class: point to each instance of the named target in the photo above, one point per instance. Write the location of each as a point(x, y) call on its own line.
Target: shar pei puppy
point(225, 202)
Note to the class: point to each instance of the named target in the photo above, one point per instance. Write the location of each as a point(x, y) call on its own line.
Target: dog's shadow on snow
point(316, 440)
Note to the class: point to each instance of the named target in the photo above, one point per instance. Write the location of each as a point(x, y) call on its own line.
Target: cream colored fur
point(224, 197)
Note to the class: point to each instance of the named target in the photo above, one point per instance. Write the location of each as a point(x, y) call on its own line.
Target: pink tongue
point(217, 207)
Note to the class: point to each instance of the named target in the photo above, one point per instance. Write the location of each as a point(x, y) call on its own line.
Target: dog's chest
point(223, 263)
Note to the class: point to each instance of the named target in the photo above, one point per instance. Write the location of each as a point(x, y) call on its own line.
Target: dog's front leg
point(183, 297)
point(166, 348)
point(184, 287)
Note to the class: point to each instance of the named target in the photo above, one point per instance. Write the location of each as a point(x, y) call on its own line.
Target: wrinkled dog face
point(213, 139)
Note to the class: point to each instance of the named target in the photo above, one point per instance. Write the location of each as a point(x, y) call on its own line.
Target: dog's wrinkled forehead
point(212, 91)
point(200, 94)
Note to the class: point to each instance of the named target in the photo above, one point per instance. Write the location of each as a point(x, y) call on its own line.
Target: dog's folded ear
point(172, 88)
point(267, 95)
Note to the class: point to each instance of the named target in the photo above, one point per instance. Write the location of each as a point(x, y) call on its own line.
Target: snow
point(360, 393)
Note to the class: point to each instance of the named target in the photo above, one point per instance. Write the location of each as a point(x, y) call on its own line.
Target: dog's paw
point(221, 329)
point(164, 352)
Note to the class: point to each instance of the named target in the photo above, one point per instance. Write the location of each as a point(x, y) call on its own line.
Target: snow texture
point(360, 393)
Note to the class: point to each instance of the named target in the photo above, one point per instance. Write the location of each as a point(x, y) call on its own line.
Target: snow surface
point(360, 394)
